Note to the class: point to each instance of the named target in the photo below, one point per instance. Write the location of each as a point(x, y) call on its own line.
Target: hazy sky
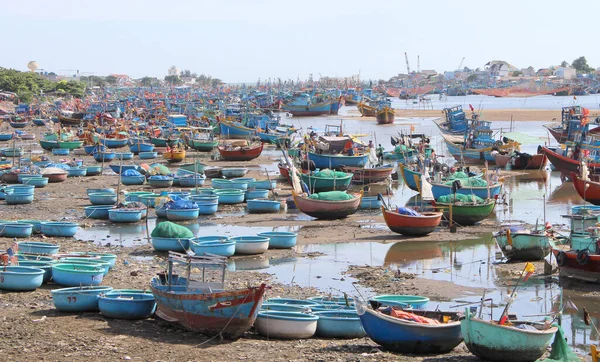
point(241, 41)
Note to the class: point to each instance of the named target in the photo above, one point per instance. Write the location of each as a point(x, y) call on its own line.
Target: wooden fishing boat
point(138, 147)
point(411, 178)
point(385, 115)
point(521, 161)
point(464, 213)
point(203, 145)
point(483, 192)
point(578, 264)
point(241, 153)
point(327, 210)
point(205, 307)
point(491, 341)
point(562, 163)
point(588, 190)
point(164, 142)
point(369, 175)
point(477, 155)
point(174, 155)
point(409, 225)
point(235, 130)
point(323, 161)
point(320, 184)
point(308, 110)
point(114, 142)
point(197, 167)
point(523, 245)
point(408, 336)
point(366, 110)
point(66, 121)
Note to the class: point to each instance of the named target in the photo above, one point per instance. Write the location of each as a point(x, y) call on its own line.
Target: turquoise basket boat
point(97, 211)
point(110, 258)
point(182, 214)
point(207, 204)
point(125, 215)
point(37, 182)
point(16, 230)
point(78, 299)
point(38, 248)
point(93, 170)
point(63, 229)
point(133, 180)
point(263, 206)
point(73, 275)
point(230, 196)
point(20, 278)
point(103, 198)
point(170, 244)
point(282, 307)
point(160, 182)
point(223, 247)
point(46, 266)
point(370, 203)
point(339, 324)
point(263, 184)
point(103, 191)
point(257, 194)
point(76, 172)
point(234, 172)
point(398, 300)
point(18, 198)
point(280, 239)
point(127, 305)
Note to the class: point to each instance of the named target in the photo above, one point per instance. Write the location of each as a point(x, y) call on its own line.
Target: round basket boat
point(230, 196)
point(339, 324)
point(170, 244)
point(46, 266)
point(72, 275)
point(97, 211)
point(16, 230)
point(103, 198)
point(64, 229)
point(78, 299)
point(182, 214)
point(249, 245)
point(280, 239)
point(127, 305)
point(217, 245)
point(125, 215)
point(20, 278)
point(38, 248)
point(286, 325)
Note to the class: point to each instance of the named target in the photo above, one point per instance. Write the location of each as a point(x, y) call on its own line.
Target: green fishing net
point(561, 352)
point(331, 196)
point(327, 173)
point(460, 198)
point(167, 229)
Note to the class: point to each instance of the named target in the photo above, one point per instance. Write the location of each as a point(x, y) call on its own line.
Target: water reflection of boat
point(573, 303)
point(249, 263)
point(412, 250)
point(565, 193)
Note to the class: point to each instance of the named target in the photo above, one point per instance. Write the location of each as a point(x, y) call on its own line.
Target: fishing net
point(158, 169)
point(561, 352)
point(167, 229)
point(131, 173)
point(460, 174)
point(327, 173)
point(469, 181)
point(331, 196)
point(181, 204)
point(448, 199)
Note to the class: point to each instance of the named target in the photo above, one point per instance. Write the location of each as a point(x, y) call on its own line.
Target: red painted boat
point(241, 153)
point(386, 115)
point(564, 164)
point(327, 210)
point(408, 225)
point(284, 171)
point(580, 265)
point(56, 177)
point(524, 162)
point(588, 190)
point(368, 175)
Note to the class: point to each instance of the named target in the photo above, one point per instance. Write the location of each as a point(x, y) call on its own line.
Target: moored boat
point(410, 225)
point(467, 213)
point(241, 153)
point(385, 115)
point(327, 210)
point(369, 175)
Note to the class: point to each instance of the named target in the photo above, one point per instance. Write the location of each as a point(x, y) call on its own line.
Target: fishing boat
point(71, 145)
point(164, 142)
point(411, 178)
point(415, 332)
point(245, 153)
point(479, 150)
point(137, 147)
point(367, 110)
point(323, 161)
point(492, 341)
point(369, 175)
point(484, 192)
point(72, 121)
point(562, 163)
point(467, 213)
point(104, 156)
point(588, 190)
point(320, 184)
point(236, 130)
point(327, 210)
point(194, 167)
point(174, 155)
point(520, 243)
point(521, 161)
point(119, 142)
point(571, 124)
point(455, 121)
point(305, 105)
point(385, 115)
point(203, 306)
point(410, 225)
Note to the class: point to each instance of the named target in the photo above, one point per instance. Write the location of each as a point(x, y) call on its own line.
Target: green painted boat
point(321, 184)
point(523, 245)
point(491, 341)
point(163, 142)
point(198, 167)
point(467, 213)
point(203, 145)
point(70, 145)
point(49, 145)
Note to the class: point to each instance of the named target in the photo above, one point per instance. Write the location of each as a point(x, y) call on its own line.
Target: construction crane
point(460, 64)
point(418, 64)
point(407, 65)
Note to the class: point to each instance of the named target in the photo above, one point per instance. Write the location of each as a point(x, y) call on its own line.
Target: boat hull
point(385, 116)
point(369, 175)
point(524, 247)
point(588, 190)
point(571, 268)
point(327, 210)
point(465, 214)
point(337, 162)
point(243, 154)
point(564, 164)
point(320, 184)
point(408, 225)
point(439, 190)
point(536, 162)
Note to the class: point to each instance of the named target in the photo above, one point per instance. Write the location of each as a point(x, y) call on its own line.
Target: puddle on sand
point(136, 234)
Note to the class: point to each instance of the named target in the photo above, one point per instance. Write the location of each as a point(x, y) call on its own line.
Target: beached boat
point(521, 161)
point(455, 121)
point(327, 210)
point(320, 184)
point(174, 155)
point(236, 130)
point(409, 225)
point(520, 243)
point(385, 115)
point(369, 175)
point(241, 153)
point(366, 110)
point(492, 341)
point(205, 307)
point(588, 190)
point(323, 161)
point(562, 163)
point(415, 332)
point(305, 105)
point(466, 213)
point(164, 142)
point(203, 145)
point(411, 178)
point(571, 124)
point(480, 149)
point(69, 121)
point(138, 147)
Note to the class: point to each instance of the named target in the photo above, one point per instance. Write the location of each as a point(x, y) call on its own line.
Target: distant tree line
point(26, 85)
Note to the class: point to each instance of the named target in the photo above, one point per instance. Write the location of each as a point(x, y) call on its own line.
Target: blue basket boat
point(286, 325)
point(133, 180)
point(141, 147)
point(122, 168)
point(127, 305)
point(148, 200)
point(263, 206)
point(20, 278)
point(339, 324)
point(91, 149)
point(16, 230)
point(207, 204)
point(61, 151)
point(78, 299)
point(370, 202)
point(64, 229)
point(282, 307)
point(37, 225)
point(124, 215)
point(93, 170)
point(191, 181)
point(234, 172)
point(398, 300)
point(104, 156)
point(135, 195)
point(36, 257)
point(170, 244)
point(230, 197)
point(160, 182)
point(147, 155)
point(182, 214)
point(38, 248)
point(46, 266)
point(161, 212)
point(263, 184)
point(37, 182)
point(222, 246)
point(18, 198)
point(76, 171)
point(95, 191)
point(23, 189)
point(103, 198)
point(110, 258)
point(124, 156)
point(250, 245)
point(88, 261)
point(6, 136)
point(257, 194)
point(38, 122)
point(280, 239)
point(97, 211)
point(73, 275)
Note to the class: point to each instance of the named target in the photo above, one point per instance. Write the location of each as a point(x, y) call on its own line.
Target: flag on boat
point(529, 270)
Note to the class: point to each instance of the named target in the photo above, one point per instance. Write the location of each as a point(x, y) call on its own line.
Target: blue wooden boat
point(46, 266)
point(93, 170)
point(205, 307)
point(38, 248)
point(20, 278)
point(124, 156)
point(103, 198)
point(336, 161)
point(491, 341)
point(406, 336)
point(303, 105)
point(137, 148)
point(16, 230)
point(443, 190)
point(133, 180)
point(122, 168)
point(170, 244)
point(263, 206)
point(124, 215)
point(49, 145)
point(114, 142)
point(479, 152)
point(455, 122)
point(6, 136)
point(38, 122)
point(280, 239)
point(525, 245)
point(91, 149)
point(61, 151)
point(213, 245)
point(147, 155)
point(286, 325)
point(339, 324)
point(126, 305)
point(182, 214)
point(97, 211)
point(73, 275)
point(104, 156)
point(233, 130)
point(63, 229)
point(78, 299)
point(318, 184)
